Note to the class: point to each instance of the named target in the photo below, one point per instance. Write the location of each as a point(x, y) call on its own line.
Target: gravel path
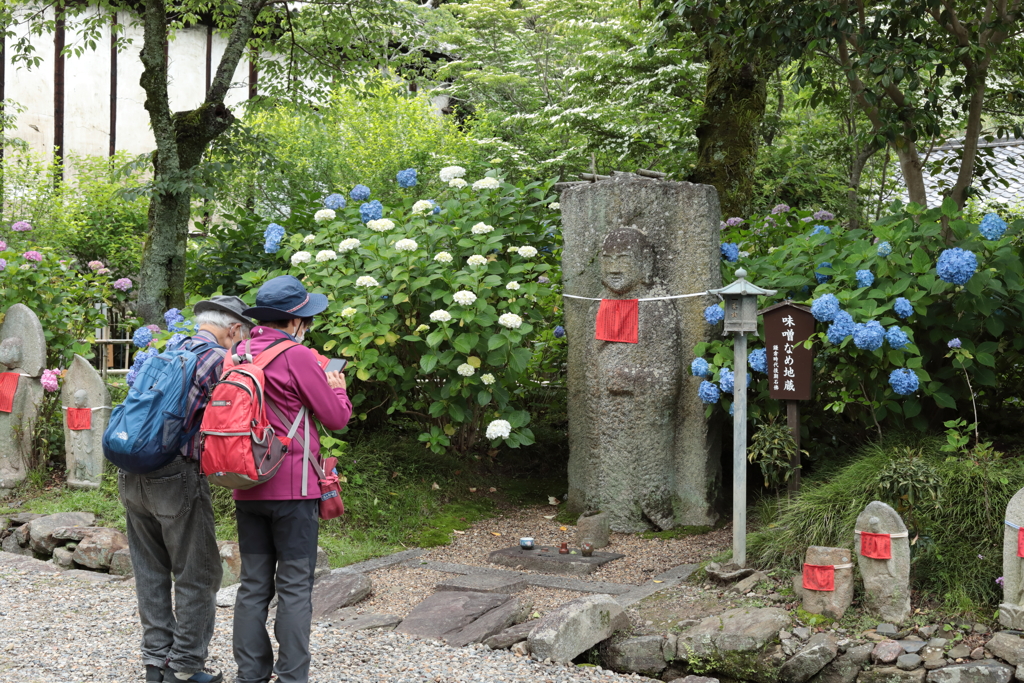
point(62, 630)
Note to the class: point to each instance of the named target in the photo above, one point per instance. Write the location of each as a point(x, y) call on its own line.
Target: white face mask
point(300, 337)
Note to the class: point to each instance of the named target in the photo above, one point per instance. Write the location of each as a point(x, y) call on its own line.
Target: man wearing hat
point(170, 521)
point(278, 520)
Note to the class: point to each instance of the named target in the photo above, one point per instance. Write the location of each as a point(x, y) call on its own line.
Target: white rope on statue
point(654, 298)
point(903, 534)
point(96, 408)
point(1011, 525)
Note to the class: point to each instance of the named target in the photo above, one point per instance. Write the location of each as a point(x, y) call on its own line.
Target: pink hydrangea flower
point(33, 256)
point(124, 284)
point(153, 328)
point(21, 226)
point(49, 380)
point(3, 264)
point(95, 265)
point(103, 271)
point(3, 245)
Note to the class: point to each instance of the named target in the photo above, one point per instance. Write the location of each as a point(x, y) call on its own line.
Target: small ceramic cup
point(526, 543)
point(587, 549)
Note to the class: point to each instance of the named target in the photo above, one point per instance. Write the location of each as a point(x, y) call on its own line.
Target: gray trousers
point(171, 532)
point(277, 540)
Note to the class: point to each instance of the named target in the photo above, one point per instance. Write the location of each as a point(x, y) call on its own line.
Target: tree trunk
point(913, 170)
point(853, 191)
point(727, 137)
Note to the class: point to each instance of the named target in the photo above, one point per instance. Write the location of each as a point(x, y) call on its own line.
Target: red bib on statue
point(618, 320)
point(819, 577)
point(8, 388)
point(79, 419)
point(876, 546)
point(1020, 542)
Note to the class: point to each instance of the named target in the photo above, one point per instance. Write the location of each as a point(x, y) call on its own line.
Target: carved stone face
point(626, 260)
point(81, 398)
point(10, 352)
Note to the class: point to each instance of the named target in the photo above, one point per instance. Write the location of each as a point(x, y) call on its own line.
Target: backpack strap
point(302, 417)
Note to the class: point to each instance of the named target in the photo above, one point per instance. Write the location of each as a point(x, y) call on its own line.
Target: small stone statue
point(22, 359)
point(86, 403)
point(886, 579)
point(1011, 611)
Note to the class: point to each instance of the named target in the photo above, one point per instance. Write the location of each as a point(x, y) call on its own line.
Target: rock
point(747, 584)
point(979, 628)
point(97, 548)
point(727, 573)
point(484, 583)
point(928, 631)
point(593, 527)
point(643, 655)
point(938, 642)
point(21, 535)
point(62, 557)
point(934, 664)
point(226, 596)
point(25, 562)
point(23, 518)
point(90, 576)
point(886, 582)
point(510, 636)
point(10, 545)
point(735, 643)
point(909, 662)
point(959, 651)
point(347, 619)
point(803, 633)
point(886, 652)
point(819, 651)
point(230, 562)
point(1007, 646)
point(448, 611)
point(521, 649)
point(41, 531)
point(490, 623)
point(888, 630)
point(1019, 673)
point(785, 635)
point(333, 591)
point(1011, 610)
point(931, 654)
point(323, 563)
point(984, 671)
point(911, 646)
point(84, 393)
point(668, 647)
point(695, 679)
point(845, 667)
point(891, 674)
point(639, 446)
point(978, 653)
point(120, 563)
point(791, 646)
point(548, 559)
point(575, 627)
point(830, 603)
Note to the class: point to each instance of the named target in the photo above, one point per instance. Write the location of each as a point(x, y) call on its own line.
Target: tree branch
point(154, 82)
point(241, 32)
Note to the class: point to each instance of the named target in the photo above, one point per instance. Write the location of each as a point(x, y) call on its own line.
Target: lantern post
point(740, 319)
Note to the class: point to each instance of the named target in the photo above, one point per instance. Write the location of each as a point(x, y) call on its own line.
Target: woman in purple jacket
point(278, 520)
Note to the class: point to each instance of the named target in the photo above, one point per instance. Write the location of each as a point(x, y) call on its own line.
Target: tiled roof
point(1005, 178)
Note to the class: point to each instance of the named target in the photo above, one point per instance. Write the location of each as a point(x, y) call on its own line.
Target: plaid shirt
point(208, 370)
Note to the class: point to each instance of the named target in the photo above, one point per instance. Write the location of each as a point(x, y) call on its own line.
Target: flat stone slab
point(547, 581)
point(483, 583)
point(548, 559)
point(92, 577)
point(448, 611)
point(333, 591)
point(22, 562)
point(346, 619)
point(510, 636)
point(376, 563)
point(490, 623)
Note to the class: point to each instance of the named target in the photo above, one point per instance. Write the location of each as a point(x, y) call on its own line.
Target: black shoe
point(154, 674)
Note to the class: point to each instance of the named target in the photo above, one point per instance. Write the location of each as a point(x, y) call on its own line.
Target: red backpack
point(239, 447)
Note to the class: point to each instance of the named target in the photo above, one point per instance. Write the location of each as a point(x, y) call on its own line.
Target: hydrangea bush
point(441, 312)
point(887, 300)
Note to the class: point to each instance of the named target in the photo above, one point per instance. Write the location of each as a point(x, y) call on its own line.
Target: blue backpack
point(147, 431)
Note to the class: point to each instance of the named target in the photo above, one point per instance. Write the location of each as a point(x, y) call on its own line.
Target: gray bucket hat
point(231, 305)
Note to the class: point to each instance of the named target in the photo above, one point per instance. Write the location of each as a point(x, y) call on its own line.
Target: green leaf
point(484, 397)
point(944, 400)
point(949, 207)
point(986, 359)
point(463, 343)
point(428, 362)
point(911, 408)
point(496, 342)
point(921, 261)
point(435, 338)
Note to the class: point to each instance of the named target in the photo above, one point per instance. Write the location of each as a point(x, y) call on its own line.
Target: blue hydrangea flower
point(954, 343)
point(708, 392)
point(758, 360)
point(821, 229)
point(371, 211)
point(174, 341)
point(185, 326)
point(726, 380)
point(360, 193)
point(992, 226)
point(868, 336)
point(896, 337)
point(334, 202)
point(825, 307)
point(172, 316)
point(559, 331)
point(272, 237)
point(700, 368)
point(732, 408)
point(903, 308)
point(730, 252)
point(865, 278)
point(406, 178)
point(140, 360)
point(714, 314)
point(437, 207)
point(904, 382)
point(823, 215)
point(956, 265)
point(142, 337)
point(842, 327)
point(884, 249)
point(822, 278)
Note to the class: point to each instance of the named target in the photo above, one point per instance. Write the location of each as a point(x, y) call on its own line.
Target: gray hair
point(218, 319)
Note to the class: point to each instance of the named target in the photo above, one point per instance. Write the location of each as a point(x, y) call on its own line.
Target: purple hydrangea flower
point(954, 343)
point(32, 256)
point(124, 284)
point(823, 215)
point(734, 221)
point(22, 226)
point(49, 381)
point(559, 331)
point(780, 208)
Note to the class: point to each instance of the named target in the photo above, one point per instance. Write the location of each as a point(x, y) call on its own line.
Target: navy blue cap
point(284, 298)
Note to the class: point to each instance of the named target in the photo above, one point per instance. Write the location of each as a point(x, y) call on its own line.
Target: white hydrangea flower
point(309, 239)
point(26, 266)
point(744, 254)
point(476, 260)
point(348, 245)
point(422, 328)
point(466, 370)
point(366, 281)
point(499, 429)
point(324, 215)
point(381, 225)
point(464, 297)
point(326, 255)
point(496, 160)
point(440, 316)
point(554, 206)
point(510, 320)
point(512, 286)
point(301, 257)
point(443, 257)
point(457, 183)
point(348, 312)
point(423, 206)
point(527, 251)
point(487, 184)
point(487, 379)
point(406, 245)
point(449, 173)
point(512, 250)
point(481, 229)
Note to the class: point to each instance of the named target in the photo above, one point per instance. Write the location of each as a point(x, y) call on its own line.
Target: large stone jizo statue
point(22, 359)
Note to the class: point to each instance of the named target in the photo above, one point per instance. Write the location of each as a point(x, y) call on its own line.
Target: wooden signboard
point(790, 366)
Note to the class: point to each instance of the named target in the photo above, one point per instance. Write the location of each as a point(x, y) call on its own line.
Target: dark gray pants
point(277, 540)
point(171, 531)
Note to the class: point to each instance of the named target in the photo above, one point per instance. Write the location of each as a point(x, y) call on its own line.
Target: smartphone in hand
point(336, 365)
